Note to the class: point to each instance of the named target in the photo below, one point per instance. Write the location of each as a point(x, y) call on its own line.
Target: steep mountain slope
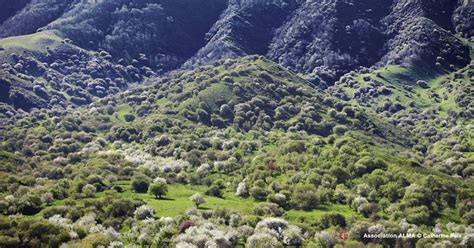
point(31, 16)
point(326, 38)
point(45, 70)
point(168, 32)
point(331, 34)
point(246, 27)
point(421, 32)
point(9, 8)
point(124, 28)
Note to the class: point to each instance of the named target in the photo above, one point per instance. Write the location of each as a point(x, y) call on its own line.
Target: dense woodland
point(247, 123)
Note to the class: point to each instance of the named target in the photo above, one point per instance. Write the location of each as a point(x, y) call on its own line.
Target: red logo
point(343, 234)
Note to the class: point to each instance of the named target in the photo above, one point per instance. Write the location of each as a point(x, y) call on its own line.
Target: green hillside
point(257, 141)
point(236, 123)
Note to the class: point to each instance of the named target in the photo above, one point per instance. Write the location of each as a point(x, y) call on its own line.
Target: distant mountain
point(10, 8)
point(333, 37)
point(27, 16)
point(326, 38)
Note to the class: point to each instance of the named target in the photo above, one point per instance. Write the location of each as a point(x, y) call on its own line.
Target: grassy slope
point(39, 44)
point(34, 42)
point(176, 202)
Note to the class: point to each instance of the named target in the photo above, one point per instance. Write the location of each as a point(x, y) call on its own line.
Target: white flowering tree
point(144, 212)
point(242, 190)
point(198, 199)
point(263, 240)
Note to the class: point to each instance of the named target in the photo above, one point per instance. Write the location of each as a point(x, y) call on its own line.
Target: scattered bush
point(140, 183)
